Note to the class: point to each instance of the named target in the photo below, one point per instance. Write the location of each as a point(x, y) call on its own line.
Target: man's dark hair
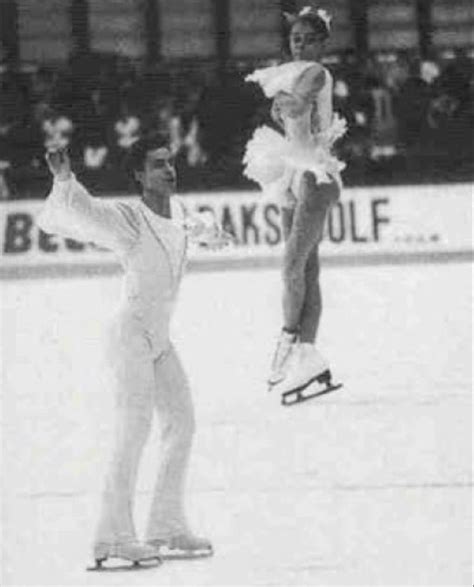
point(146, 144)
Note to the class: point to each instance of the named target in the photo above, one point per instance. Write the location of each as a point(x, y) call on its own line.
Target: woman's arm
point(306, 90)
point(276, 114)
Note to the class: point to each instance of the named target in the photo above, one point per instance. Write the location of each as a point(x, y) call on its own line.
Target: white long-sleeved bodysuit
point(147, 372)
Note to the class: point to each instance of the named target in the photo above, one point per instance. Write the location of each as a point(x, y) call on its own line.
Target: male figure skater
point(150, 240)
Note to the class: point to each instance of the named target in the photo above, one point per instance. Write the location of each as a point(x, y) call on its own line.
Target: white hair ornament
point(309, 11)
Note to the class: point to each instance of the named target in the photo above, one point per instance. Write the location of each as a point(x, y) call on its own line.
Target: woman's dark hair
point(315, 22)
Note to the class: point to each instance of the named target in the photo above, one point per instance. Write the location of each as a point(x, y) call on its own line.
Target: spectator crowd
point(409, 120)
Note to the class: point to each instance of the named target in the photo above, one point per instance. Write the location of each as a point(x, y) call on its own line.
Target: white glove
point(58, 162)
point(203, 229)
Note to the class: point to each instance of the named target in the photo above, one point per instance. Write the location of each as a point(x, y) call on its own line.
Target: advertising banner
point(379, 222)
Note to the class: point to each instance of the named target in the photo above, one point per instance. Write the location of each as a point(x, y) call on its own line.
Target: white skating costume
point(147, 372)
point(277, 162)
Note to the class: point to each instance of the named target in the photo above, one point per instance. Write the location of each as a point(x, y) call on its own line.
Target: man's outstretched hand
point(203, 229)
point(59, 163)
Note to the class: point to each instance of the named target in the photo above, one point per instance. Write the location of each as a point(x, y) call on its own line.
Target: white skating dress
point(278, 162)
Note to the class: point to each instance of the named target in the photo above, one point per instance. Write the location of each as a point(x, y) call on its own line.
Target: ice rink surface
point(368, 486)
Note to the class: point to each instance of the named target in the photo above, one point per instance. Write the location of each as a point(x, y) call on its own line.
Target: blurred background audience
point(410, 117)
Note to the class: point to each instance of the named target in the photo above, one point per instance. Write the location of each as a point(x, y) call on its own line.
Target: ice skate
point(309, 377)
point(182, 546)
point(281, 358)
point(136, 555)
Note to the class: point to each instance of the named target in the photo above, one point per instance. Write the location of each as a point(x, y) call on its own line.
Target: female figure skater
point(300, 172)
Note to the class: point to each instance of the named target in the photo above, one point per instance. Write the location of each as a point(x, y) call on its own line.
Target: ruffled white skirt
point(277, 163)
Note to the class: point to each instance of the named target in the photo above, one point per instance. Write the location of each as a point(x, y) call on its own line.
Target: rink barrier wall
point(368, 225)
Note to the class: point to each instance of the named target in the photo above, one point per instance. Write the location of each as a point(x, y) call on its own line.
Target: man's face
point(305, 44)
point(159, 173)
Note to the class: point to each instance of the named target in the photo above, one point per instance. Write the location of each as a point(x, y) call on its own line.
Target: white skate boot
point(309, 377)
point(281, 358)
point(182, 546)
point(136, 554)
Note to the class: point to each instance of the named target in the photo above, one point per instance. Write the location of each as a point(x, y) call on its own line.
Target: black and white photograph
point(236, 292)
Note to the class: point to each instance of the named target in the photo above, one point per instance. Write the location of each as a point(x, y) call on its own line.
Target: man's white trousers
point(144, 385)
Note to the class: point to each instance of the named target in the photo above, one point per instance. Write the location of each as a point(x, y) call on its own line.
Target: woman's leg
point(302, 230)
point(312, 307)
point(287, 216)
point(300, 262)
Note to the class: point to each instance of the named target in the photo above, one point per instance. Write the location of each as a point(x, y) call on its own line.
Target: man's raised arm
point(70, 211)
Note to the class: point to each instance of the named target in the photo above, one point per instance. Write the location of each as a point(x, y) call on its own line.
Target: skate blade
point(303, 393)
point(272, 384)
point(178, 554)
point(111, 566)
